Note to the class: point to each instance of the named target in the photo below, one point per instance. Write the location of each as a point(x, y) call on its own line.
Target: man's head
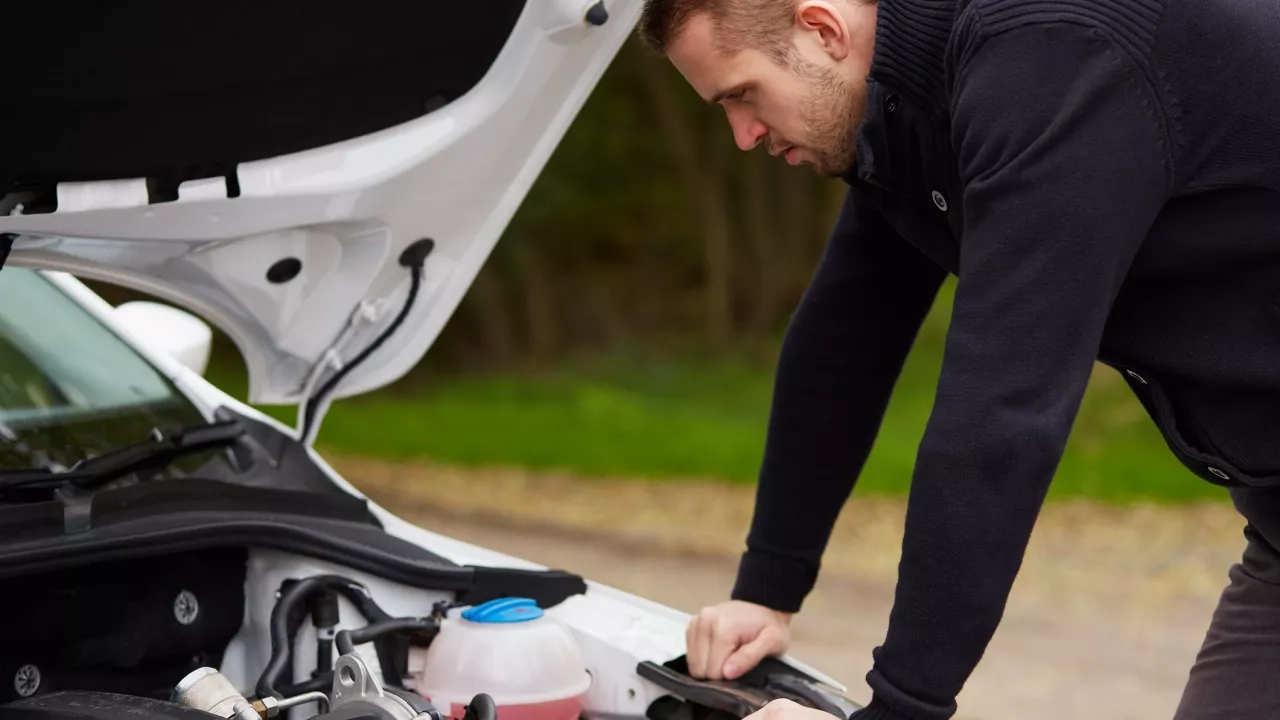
point(789, 73)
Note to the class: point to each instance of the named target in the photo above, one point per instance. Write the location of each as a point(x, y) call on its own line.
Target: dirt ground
point(1103, 623)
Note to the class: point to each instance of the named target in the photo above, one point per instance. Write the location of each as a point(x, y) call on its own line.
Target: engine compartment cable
point(413, 257)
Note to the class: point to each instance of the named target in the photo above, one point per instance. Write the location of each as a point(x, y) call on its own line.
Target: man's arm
point(1061, 144)
point(842, 353)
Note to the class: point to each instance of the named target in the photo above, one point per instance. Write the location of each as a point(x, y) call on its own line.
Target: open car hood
point(265, 165)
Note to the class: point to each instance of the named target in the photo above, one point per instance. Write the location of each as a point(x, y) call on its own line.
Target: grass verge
point(706, 418)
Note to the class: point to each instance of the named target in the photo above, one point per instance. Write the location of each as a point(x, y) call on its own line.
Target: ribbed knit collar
point(911, 47)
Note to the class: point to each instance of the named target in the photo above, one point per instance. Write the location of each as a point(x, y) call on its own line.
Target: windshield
point(69, 387)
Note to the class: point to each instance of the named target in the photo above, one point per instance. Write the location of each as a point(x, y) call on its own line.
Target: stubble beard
point(831, 112)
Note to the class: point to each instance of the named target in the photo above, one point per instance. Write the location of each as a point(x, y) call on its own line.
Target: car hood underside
point(267, 165)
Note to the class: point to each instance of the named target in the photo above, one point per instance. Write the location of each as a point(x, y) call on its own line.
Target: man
point(1103, 178)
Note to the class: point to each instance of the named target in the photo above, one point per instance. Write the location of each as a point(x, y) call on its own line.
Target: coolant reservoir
point(526, 661)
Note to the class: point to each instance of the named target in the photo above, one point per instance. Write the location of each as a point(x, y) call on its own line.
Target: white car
point(321, 182)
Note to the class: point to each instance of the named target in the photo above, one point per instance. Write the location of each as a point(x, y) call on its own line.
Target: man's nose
point(747, 130)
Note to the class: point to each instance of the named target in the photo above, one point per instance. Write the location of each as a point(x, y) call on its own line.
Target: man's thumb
point(749, 655)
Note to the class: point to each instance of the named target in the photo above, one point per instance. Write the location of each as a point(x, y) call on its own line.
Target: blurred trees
point(648, 227)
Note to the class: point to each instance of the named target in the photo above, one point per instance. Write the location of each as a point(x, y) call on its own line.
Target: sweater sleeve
point(842, 353)
point(1061, 149)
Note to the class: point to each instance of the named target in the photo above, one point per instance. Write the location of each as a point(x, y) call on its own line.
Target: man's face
point(805, 109)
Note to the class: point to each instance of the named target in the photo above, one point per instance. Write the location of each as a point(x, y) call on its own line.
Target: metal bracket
point(358, 694)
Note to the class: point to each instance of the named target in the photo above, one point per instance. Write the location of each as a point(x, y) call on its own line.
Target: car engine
point(355, 693)
point(154, 637)
point(250, 633)
point(206, 693)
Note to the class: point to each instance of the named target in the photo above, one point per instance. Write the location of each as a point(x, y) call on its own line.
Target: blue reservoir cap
point(504, 610)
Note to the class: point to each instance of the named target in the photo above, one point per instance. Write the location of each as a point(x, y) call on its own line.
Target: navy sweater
point(1102, 178)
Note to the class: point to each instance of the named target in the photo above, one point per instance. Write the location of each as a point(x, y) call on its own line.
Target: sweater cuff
point(775, 582)
point(877, 710)
point(901, 705)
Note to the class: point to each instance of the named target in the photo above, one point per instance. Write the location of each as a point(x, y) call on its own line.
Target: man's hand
point(788, 710)
point(726, 640)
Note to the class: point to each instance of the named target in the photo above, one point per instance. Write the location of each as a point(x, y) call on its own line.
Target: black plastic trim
point(279, 461)
point(737, 699)
point(359, 547)
point(68, 704)
point(769, 680)
point(6, 245)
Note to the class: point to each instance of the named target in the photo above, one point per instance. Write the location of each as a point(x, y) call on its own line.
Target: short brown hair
point(759, 24)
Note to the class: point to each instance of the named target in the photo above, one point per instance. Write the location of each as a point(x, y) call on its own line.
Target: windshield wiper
point(157, 452)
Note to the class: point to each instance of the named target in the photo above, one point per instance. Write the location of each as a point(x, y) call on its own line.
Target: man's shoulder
point(1134, 22)
point(1041, 28)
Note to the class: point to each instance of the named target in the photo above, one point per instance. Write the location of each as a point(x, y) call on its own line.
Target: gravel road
point(1103, 622)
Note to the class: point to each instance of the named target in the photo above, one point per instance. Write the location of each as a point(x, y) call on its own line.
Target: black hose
point(322, 682)
point(324, 654)
point(289, 612)
point(346, 640)
point(481, 707)
point(324, 618)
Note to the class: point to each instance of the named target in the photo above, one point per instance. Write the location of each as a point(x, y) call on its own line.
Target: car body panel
point(301, 268)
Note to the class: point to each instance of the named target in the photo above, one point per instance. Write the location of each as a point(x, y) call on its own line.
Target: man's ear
point(825, 25)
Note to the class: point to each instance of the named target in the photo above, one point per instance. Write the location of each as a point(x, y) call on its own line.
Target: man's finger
point(750, 654)
point(723, 642)
point(699, 642)
point(691, 649)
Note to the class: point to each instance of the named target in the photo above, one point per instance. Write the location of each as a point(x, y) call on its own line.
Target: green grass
point(706, 418)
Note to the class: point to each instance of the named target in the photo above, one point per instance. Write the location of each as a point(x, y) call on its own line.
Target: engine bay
point(263, 634)
point(244, 634)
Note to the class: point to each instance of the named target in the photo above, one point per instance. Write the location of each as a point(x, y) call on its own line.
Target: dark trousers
point(1236, 675)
